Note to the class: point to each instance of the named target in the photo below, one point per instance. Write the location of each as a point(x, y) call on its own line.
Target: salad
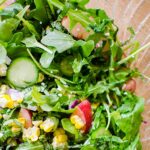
point(65, 80)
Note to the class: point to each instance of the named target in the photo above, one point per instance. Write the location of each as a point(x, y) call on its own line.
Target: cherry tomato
point(78, 31)
point(27, 114)
point(84, 111)
point(130, 86)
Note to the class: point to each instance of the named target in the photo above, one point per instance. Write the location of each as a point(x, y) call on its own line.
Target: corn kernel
point(59, 131)
point(79, 125)
point(3, 89)
point(27, 133)
point(41, 77)
point(47, 125)
point(31, 133)
point(77, 121)
point(62, 146)
point(1, 116)
point(73, 119)
point(95, 105)
point(6, 101)
point(10, 104)
point(5, 116)
point(3, 70)
point(35, 134)
point(15, 129)
point(61, 138)
point(19, 100)
point(37, 123)
point(22, 121)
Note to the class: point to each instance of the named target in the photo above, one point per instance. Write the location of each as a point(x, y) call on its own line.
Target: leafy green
point(88, 147)
point(87, 48)
point(58, 108)
point(135, 144)
point(7, 27)
point(45, 102)
point(46, 59)
point(81, 3)
point(133, 54)
point(3, 54)
point(69, 127)
point(32, 42)
point(29, 25)
point(39, 12)
point(59, 40)
point(77, 65)
point(109, 142)
point(126, 120)
point(99, 88)
point(30, 146)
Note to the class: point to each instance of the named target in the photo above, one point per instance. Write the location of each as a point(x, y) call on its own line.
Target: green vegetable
point(87, 48)
point(39, 12)
point(7, 27)
point(66, 66)
point(46, 59)
point(58, 40)
point(30, 146)
point(126, 120)
point(100, 132)
point(69, 127)
point(3, 54)
point(32, 42)
point(18, 72)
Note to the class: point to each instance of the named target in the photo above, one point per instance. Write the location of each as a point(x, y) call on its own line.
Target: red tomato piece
point(84, 111)
point(130, 86)
point(27, 114)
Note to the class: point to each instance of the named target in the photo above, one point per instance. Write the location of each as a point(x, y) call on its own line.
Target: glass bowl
point(136, 14)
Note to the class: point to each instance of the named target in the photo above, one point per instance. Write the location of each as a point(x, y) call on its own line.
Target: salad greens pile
point(62, 91)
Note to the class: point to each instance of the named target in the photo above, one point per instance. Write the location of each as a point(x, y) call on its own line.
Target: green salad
point(65, 81)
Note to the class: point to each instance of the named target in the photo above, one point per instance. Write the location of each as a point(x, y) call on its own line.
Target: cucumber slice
point(22, 72)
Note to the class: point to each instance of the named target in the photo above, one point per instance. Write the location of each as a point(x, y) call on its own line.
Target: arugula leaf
point(69, 127)
point(78, 16)
point(29, 25)
point(109, 142)
point(7, 27)
point(30, 146)
point(40, 12)
point(56, 3)
point(59, 40)
point(77, 65)
point(126, 121)
point(99, 88)
point(58, 108)
point(99, 119)
point(88, 147)
point(135, 144)
point(3, 54)
point(32, 42)
point(88, 47)
point(44, 101)
point(125, 60)
point(11, 10)
point(46, 59)
point(81, 3)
